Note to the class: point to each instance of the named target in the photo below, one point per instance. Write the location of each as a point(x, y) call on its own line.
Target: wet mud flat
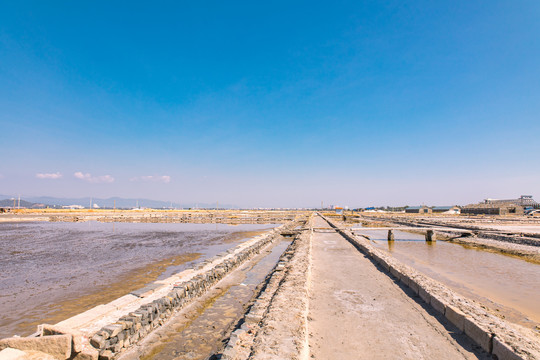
point(51, 271)
point(507, 285)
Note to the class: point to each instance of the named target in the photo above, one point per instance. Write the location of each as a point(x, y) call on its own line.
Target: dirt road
point(358, 312)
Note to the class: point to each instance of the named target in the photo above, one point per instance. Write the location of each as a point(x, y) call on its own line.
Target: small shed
point(418, 209)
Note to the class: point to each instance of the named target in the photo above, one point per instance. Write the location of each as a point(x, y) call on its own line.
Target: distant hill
point(23, 204)
point(120, 203)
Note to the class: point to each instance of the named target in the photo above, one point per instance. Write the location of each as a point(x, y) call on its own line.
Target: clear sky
point(277, 103)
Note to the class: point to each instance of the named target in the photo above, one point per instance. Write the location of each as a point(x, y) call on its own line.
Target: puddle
point(508, 285)
point(201, 334)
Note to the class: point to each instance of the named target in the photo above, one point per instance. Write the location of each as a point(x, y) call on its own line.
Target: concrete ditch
point(105, 331)
point(267, 331)
point(496, 336)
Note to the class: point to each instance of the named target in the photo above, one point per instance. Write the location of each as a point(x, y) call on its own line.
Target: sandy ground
point(356, 311)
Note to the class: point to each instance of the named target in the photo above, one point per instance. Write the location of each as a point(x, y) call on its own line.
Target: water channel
point(507, 284)
point(198, 334)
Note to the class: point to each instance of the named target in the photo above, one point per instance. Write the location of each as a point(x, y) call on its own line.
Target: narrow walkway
point(359, 312)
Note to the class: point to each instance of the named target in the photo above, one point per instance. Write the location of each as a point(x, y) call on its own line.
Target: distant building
point(493, 209)
point(73, 207)
point(502, 207)
point(418, 210)
point(446, 209)
point(524, 200)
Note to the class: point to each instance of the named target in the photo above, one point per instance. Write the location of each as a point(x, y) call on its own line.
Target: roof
point(491, 206)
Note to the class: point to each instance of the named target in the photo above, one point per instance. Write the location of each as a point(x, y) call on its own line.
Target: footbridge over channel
point(430, 232)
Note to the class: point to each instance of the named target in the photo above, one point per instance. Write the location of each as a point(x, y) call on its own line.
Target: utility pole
point(217, 205)
point(19, 204)
point(90, 202)
point(114, 205)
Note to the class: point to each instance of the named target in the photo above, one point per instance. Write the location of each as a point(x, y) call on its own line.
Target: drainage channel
point(198, 331)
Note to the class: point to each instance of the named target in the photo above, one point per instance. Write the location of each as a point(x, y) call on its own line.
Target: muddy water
point(51, 271)
point(199, 333)
point(506, 284)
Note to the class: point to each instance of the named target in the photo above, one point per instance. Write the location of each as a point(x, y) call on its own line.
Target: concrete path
point(358, 312)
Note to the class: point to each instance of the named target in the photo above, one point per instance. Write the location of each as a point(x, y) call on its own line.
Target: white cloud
point(94, 179)
point(53, 176)
point(155, 178)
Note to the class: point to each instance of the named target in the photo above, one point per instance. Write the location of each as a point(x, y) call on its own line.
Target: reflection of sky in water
point(503, 279)
point(42, 262)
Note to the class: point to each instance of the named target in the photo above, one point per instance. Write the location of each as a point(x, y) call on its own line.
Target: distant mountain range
point(10, 203)
point(120, 203)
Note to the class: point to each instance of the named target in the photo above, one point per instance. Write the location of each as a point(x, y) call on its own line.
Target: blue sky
point(271, 104)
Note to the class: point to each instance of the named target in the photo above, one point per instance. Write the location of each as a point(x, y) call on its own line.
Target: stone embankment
point(275, 327)
point(156, 216)
point(496, 336)
point(194, 217)
point(106, 330)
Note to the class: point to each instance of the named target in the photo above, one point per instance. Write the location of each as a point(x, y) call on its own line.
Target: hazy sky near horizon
point(279, 103)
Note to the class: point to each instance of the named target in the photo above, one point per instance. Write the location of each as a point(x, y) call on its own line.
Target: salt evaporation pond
point(51, 271)
point(505, 283)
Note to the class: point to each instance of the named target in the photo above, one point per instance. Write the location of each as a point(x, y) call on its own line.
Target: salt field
point(53, 270)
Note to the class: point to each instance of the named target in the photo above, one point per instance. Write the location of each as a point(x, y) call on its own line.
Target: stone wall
point(275, 326)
